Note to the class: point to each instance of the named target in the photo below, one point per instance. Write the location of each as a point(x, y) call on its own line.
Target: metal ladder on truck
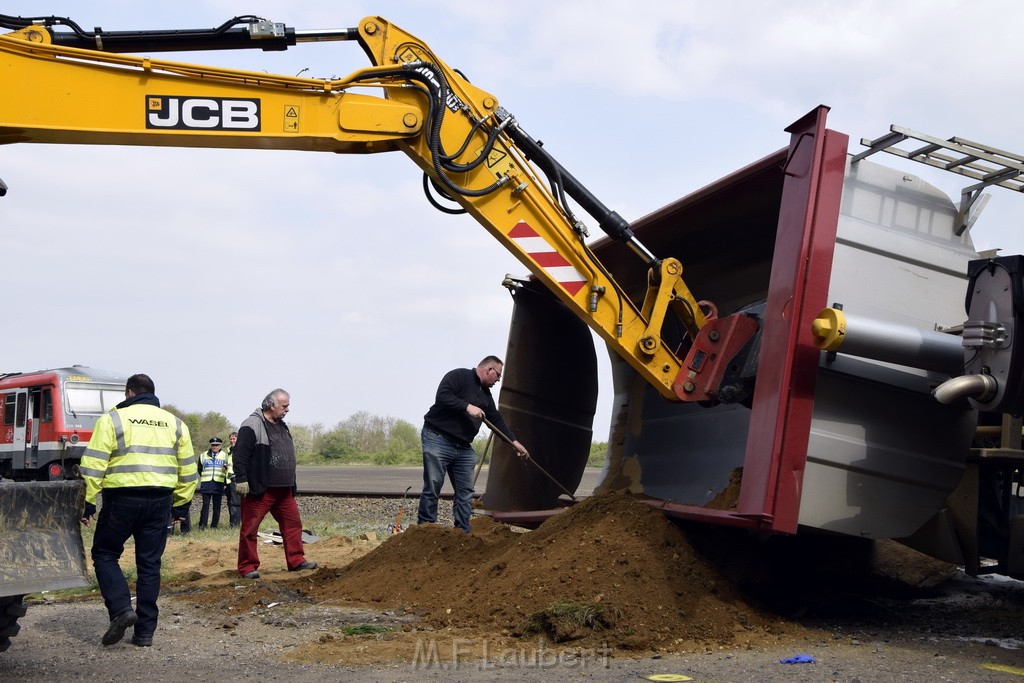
point(988, 165)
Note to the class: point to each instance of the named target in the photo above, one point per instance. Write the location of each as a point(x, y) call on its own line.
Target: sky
point(226, 273)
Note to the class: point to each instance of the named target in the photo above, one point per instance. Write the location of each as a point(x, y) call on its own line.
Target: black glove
point(90, 509)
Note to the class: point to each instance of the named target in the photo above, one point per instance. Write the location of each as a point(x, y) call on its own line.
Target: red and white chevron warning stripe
point(550, 260)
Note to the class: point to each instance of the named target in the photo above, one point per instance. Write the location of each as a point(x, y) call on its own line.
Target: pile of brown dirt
point(609, 570)
point(729, 497)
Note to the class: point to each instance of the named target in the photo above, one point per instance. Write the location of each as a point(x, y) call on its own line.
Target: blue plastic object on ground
point(798, 659)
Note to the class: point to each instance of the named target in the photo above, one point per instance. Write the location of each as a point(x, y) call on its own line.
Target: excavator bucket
point(40, 537)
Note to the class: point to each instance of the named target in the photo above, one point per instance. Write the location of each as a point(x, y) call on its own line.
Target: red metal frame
point(787, 369)
point(788, 364)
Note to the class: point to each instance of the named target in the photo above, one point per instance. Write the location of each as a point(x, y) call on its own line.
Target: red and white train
point(48, 417)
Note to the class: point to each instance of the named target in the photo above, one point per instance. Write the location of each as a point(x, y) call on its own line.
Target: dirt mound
point(609, 570)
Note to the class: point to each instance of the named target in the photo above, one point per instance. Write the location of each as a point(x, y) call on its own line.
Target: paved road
point(394, 480)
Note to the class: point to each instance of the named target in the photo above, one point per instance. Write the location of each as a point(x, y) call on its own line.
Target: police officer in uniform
point(141, 458)
point(213, 482)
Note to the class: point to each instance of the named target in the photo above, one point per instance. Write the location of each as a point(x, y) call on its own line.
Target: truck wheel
point(11, 609)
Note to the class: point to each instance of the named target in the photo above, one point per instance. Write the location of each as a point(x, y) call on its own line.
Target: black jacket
point(251, 454)
point(448, 415)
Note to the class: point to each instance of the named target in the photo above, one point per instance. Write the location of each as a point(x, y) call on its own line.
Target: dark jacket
point(251, 454)
point(448, 415)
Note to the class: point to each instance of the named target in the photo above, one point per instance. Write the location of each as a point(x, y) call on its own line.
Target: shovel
point(527, 457)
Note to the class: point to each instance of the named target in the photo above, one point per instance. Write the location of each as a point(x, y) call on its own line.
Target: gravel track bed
point(355, 516)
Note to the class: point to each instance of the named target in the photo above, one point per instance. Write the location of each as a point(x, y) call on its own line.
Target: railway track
point(391, 482)
point(350, 493)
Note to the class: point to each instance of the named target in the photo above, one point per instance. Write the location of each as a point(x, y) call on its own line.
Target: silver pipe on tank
point(979, 387)
point(889, 342)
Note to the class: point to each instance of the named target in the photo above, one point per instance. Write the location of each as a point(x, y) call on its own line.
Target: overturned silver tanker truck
point(872, 402)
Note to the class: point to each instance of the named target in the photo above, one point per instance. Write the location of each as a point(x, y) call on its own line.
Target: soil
point(609, 589)
point(609, 571)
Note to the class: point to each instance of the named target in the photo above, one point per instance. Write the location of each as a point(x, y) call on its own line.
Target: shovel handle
point(535, 463)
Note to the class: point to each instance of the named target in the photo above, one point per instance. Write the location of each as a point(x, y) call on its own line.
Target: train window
point(8, 400)
point(47, 406)
point(84, 400)
point(19, 418)
point(92, 398)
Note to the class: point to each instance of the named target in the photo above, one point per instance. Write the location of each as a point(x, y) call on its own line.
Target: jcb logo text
point(202, 113)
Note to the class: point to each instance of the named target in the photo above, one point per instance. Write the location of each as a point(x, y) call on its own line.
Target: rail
point(348, 493)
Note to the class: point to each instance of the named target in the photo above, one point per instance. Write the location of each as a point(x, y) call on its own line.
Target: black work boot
point(142, 641)
point(118, 625)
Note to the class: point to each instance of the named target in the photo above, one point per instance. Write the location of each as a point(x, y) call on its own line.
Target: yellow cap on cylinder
point(829, 329)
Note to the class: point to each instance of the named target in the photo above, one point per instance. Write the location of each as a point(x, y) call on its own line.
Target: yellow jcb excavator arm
point(473, 151)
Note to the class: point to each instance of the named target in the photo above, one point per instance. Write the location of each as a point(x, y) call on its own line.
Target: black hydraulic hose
point(428, 183)
point(492, 136)
point(439, 89)
point(435, 117)
point(15, 23)
point(558, 190)
point(477, 125)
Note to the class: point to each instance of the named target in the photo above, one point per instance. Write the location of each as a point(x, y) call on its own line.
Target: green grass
point(582, 614)
point(365, 629)
point(563, 621)
point(66, 594)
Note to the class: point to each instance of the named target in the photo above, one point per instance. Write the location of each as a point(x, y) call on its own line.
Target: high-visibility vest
point(140, 445)
point(231, 463)
point(214, 467)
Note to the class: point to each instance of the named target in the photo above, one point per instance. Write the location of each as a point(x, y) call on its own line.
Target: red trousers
point(279, 501)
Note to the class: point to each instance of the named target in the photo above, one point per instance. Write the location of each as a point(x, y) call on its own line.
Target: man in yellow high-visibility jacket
point(141, 457)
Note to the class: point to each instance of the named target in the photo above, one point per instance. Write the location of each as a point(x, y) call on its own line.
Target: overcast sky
point(225, 273)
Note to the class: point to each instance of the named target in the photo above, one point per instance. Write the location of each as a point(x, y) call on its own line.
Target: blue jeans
point(442, 456)
point(121, 517)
